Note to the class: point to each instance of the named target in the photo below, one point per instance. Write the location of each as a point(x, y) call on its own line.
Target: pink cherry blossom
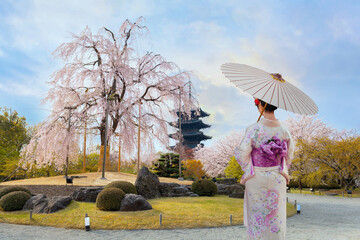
point(105, 65)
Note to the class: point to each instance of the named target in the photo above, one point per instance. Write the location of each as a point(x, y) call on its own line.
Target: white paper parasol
point(269, 87)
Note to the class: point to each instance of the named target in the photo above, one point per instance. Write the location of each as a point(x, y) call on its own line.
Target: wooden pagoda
point(189, 129)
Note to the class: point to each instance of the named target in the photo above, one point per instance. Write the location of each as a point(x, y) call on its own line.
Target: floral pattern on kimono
point(265, 217)
point(265, 191)
point(257, 135)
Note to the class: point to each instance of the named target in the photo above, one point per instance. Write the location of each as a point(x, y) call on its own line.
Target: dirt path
point(88, 179)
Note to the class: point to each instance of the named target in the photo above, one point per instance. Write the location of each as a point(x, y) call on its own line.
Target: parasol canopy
point(269, 87)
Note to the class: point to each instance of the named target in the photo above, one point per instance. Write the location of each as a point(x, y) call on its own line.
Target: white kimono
point(265, 153)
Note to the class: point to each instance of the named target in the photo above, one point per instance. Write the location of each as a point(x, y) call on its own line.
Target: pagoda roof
point(192, 145)
point(196, 112)
point(191, 136)
point(188, 124)
point(203, 114)
point(189, 145)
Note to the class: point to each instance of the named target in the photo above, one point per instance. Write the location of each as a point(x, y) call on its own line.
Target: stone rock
point(234, 190)
point(133, 202)
point(174, 190)
point(223, 189)
point(166, 189)
point(180, 190)
point(41, 204)
point(38, 203)
point(86, 194)
point(193, 195)
point(57, 203)
point(147, 184)
point(237, 191)
point(227, 181)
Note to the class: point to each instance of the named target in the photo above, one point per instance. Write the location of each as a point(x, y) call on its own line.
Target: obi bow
point(275, 148)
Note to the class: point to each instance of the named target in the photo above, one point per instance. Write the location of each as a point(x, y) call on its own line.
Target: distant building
point(190, 130)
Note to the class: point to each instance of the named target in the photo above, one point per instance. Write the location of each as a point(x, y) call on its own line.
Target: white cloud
point(203, 46)
point(345, 26)
point(24, 90)
point(199, 38)
point(45, 24)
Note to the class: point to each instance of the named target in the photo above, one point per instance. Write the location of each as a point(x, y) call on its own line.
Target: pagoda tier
point(190, 124)
point(192, 139)
point(191, 136)
point(190, 128)
point(195, 114)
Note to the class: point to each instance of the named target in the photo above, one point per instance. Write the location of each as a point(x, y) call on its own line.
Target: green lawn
point(182, 212)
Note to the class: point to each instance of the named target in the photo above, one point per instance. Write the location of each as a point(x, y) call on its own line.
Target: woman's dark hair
point(269, 107)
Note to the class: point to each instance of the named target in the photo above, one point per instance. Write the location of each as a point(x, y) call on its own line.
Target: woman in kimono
point(265, 154)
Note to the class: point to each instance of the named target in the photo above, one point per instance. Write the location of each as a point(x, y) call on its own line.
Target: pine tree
point(168, 165)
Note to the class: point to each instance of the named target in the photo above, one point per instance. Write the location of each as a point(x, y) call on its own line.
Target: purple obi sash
point(270, 154)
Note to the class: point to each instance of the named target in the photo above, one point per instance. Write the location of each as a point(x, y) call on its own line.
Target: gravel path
point(321, 218)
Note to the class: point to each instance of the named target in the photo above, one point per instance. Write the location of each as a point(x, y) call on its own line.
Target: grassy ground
point(183, 212)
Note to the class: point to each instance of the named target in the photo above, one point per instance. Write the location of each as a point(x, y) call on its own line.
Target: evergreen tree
point(168, 165)
point(13, 135)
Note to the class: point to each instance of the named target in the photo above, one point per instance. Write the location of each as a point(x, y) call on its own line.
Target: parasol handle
point(262, 112)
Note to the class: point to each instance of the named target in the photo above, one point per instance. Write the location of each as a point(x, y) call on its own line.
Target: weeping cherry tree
point(100, 69)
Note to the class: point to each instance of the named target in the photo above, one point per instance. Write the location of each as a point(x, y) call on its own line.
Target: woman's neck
point(269, 115)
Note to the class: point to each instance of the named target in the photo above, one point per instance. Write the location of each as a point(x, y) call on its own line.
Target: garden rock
point(224, 189)
point(86, 194)
point(133, 202)
point(147, 184)
point(237, 191)
point(234, 190)
point(41, 204)
point(166, 188)
point(193, 195)
point(174, 190)
point(57, 203)
point(38, 203)
point(227, 181)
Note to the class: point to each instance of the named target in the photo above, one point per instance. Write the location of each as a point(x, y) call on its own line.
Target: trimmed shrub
point(204, 187)
point(9, 189)
point(123, 185)
point(14, 201)
point(110, 199)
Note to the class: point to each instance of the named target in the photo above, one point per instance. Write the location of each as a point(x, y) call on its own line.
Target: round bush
point(125, 186)
point(110, 199)
point(204, 187)
point(14, 201)
point(9, 189)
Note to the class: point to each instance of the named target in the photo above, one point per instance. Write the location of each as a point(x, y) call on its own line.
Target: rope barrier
point(230, 219)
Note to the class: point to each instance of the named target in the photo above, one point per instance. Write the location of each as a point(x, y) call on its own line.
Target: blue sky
point(314, 44)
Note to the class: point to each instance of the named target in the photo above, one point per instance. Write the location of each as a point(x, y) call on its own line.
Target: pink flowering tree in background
point(50, 145)
point(305, 129)
point(105, 66)
point(215, 158)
